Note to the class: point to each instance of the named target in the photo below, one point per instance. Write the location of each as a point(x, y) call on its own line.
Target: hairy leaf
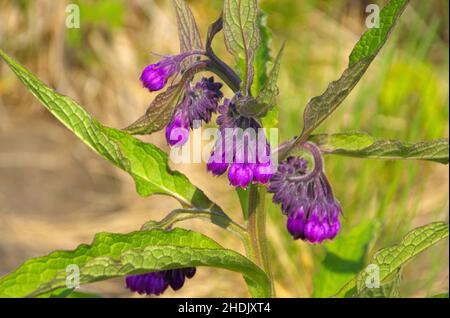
point(188, 32)
point(362, 145)
point(263, 54)
point(320, 107)
point(147, 164)
point(389, 260)
point(269, 91)
point(242, 35)
point(390, 288)
point(160, 111)
point(266, 99)
point(344, 259)
point(115, 255)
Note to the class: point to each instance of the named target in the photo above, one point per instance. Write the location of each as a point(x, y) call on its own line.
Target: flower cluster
point(241, 147)
point(199, 103)
point(155, 283)
point(306, 198)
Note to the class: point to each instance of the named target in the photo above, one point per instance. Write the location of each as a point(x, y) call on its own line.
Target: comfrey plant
point(291, 174)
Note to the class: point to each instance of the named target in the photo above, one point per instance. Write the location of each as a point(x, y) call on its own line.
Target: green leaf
point(390, 288)
point(69, 293)
point(263, 53)
point(270, 120)
point(343, 260)
point(115, 255)
point(76, 294)
point(243, 195)
point(269, 91)
point(373, 39)
point(320, 107)
point(147, 164)
point(362, 145)
point(390, 259)
point(266, 100)
point(160, 111)
point(242, 35)
point(188, 32)
point(443, 295)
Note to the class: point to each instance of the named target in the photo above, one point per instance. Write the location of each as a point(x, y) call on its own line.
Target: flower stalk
point(256, 228)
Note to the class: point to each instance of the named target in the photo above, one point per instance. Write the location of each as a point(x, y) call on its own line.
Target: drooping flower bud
point(155, 76)
point(177, 131)
point(306, 198)
point(156, 283)
point(240, 174)
point(262, 172)
point(151, 283)
point(238, 143)
point(217, 165)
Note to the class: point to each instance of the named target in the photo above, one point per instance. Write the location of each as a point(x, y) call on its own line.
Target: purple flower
point(155, 76)
point(199, 102)
point(204, 99)
point(177, 131)
point(217, 166)
point(262, 172)
point(155, 283)
point(239, 144)
point(240, 174)
point(306, 198)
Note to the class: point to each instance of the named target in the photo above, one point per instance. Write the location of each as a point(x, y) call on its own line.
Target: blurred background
point(55, 193)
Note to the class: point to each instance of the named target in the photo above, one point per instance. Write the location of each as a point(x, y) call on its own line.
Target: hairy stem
point(257, 247)
point(222, 70)
point(216, 65)
point(179, 215)
point(256, 228)
point(219, 219)
point(252, 224)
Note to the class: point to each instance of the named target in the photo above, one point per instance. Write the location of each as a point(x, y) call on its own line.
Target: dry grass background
point(55, 193)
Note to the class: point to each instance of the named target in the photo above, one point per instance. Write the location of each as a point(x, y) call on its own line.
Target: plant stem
point(252, 224)
point(256, 228)
point(179, 215)
point(222, 70)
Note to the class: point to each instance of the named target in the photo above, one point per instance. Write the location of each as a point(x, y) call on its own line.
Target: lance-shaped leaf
point(362, 145)
point(115, 255)
point(388, 260)
point(263, 55)
point(269, 91)
point(160, 111)
point(265, 101)
point(146, 163)
point(320, 107)
point(390, 288)
point(242, 35)
point(188, 32)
